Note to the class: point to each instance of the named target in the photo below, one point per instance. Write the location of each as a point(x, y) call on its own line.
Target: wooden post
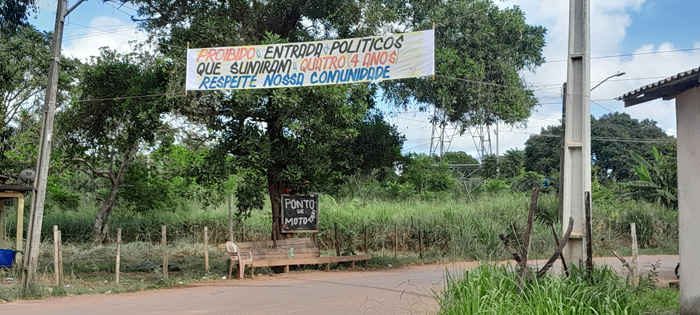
point(589, 238)
point(420, 240)
point(20, 228)
point(635, 264)
point(60, 259)
point(118, 263)
point(2, 223)
point(337, 242)
point(206, 249)
point(366, 239)
point(556, 241)
point(396, 239)
point(243, 239)
point(230, 220)
point(55, 255)
point(164, 241)
point(528, 237)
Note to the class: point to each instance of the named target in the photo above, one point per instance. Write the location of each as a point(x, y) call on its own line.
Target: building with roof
point(684, 87)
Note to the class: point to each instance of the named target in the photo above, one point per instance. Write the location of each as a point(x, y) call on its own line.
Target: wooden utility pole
point(36, 215)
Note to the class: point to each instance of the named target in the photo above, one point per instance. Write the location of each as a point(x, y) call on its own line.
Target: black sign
point(299, 213)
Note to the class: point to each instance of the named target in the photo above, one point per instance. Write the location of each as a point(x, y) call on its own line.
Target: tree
point(110, 122)
point(14, 13)
point(657, 181)
point(459, 157)
point(543, 151)
point(612, 158)
point(614, 136)
point(479, 52)
point(511, 162)
point(276, 139)
point(377, 148)
point(24, 62)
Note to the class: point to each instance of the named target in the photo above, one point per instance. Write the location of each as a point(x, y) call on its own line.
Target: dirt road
point(389, 291)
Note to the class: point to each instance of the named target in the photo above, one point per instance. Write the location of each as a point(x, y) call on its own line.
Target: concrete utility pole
point(577, 145)
point(43, 162)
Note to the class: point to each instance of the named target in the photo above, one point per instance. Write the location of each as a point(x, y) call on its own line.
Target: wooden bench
point(278, 254)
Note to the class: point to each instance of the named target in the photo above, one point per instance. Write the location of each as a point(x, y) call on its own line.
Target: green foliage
point(24, 60)
point(375, 151)
point(543, 151)
point(475, 40)
point(494, 186)
point(657, 180)
point(494, 290)
point(426, 175)
point(14, 13)
point(489, 167)
point(511, 162)
point(610, 158)
point(459, 157)
point(527, 180)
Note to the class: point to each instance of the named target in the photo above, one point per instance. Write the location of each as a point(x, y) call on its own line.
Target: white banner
point(340, 61)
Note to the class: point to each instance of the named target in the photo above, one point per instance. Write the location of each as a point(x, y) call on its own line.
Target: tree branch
point(101, 173)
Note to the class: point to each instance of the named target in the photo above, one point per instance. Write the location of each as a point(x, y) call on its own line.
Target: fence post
point(206, 249)
point(55, 254)
point(337, 242)
point(396, 239)
point(635, 254)
point(118, 263)
point(230, 220)
point(60, 257)
point(366, 239)
point(164, 240)
point(420, 240)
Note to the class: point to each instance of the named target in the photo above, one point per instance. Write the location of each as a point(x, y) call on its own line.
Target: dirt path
point(390, 291)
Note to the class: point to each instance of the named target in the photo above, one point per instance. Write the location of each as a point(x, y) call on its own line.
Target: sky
point(631, 36)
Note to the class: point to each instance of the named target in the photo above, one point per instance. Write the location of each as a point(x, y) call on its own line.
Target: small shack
point(684, 87)
point(17, 192)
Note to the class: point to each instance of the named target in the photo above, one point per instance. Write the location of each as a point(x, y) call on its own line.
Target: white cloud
point(103, 31)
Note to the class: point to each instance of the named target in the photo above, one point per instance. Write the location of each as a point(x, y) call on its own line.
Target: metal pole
point(577, 151)
point(44, 153)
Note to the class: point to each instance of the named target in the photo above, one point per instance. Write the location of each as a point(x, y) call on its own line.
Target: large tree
point(480, 51)
point(285, 137)
point(110, 121)
point(274, 139)
point(614, 136)
point(24, 63)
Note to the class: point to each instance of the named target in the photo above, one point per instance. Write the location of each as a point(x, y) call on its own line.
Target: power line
point(129, 97)
point(634, 54)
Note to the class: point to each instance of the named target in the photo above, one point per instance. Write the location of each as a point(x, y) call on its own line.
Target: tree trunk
point(274, 186)
point(104, 214)
point(276, 189)
point(100, 229)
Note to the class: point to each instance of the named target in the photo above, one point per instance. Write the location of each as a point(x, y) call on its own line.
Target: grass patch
point(494, 290)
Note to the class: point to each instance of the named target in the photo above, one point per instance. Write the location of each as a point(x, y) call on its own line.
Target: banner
point(340, 61)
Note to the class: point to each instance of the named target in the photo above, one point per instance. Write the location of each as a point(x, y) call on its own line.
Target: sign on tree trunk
point(299, 213)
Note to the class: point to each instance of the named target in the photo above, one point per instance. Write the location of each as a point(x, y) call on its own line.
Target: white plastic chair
point(242, 257)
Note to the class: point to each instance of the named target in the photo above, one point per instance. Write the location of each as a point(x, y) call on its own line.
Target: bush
point(494, 290)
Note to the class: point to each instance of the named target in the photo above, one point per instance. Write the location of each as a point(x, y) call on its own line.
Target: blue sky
point(640, 27)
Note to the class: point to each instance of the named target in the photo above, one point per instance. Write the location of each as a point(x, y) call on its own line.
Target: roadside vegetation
point(494, 290)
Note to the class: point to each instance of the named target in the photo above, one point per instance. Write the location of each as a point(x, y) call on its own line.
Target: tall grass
point(452, 228)
point(494, 290)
